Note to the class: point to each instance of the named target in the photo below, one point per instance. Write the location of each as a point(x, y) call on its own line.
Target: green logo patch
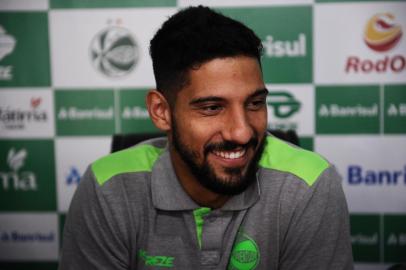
point(245, 254)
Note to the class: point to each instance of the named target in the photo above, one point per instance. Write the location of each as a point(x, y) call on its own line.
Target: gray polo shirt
point(130, 212)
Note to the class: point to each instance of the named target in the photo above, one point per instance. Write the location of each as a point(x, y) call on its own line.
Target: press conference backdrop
point(74, 72)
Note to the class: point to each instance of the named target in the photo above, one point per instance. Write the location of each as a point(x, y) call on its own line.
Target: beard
point(238, 179)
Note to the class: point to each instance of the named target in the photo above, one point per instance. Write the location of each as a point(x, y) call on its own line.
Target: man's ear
point(159, 110)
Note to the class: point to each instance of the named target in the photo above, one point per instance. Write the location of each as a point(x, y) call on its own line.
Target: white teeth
point(230, 155)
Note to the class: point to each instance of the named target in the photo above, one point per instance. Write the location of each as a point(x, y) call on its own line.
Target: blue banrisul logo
point(27, 237)
point(73, 177)
point(357, 175)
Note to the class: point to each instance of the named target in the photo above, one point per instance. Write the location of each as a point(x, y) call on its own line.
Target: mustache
point(230, 145)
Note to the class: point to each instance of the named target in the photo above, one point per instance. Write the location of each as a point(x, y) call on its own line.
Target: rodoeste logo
point(381, 34)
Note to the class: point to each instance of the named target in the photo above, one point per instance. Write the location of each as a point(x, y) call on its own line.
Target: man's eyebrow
point(259, 92)
point(195, 101)
point(205, 99)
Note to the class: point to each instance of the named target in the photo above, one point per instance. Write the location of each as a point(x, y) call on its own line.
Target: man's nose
point(237, 127)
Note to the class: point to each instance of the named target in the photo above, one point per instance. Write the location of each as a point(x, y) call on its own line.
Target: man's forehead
point(224, 77)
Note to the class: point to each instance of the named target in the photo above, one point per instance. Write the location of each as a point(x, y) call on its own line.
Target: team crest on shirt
point(245, 254)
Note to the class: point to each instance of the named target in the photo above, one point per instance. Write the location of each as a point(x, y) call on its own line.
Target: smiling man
point(216, 127)
point(217, 192)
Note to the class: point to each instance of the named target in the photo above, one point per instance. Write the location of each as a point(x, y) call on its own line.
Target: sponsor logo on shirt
point(161, 261)
point(245, 254)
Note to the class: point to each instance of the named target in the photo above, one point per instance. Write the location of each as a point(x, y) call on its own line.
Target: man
point(218, 193)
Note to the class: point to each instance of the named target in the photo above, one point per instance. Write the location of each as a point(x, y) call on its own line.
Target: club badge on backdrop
point(114, 51)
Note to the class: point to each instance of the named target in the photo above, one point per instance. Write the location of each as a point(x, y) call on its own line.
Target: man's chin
point(226, 182)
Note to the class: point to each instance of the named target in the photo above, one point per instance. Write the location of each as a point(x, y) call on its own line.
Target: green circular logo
point(245, 254)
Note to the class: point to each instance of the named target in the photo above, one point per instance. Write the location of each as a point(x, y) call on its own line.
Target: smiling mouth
point(230, 154)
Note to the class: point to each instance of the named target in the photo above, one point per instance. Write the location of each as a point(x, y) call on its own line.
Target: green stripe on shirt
point(304, 164)
point(140, 158)
point(198, 214)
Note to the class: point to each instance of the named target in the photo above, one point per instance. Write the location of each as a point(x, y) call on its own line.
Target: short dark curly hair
point(192, 37)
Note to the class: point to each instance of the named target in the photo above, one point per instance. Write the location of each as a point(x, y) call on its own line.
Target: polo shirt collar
point(168, 194)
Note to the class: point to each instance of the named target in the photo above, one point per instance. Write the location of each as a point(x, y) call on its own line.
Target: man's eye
point(211, 109)
point(257, 104)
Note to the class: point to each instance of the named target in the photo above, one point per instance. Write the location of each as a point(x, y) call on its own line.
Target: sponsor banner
point(84, 112)
point(29, 237)
point(24, 55)
point(110, 50)
point(291, 107)
point(368, 46)
point(23, 5)
point(286, 34)
point(378, 238)
point(373, 170)
point(366, 237)
point(27, 175)
point(73, 156)
point(26, 114)
point(347, 109)
point(133, 112)
point(395, 109)
point(110, 4)
point(395, 238)
point(243, 3)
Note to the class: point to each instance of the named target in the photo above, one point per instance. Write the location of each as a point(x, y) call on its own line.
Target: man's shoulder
point(283, 157)
point(139, 158)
